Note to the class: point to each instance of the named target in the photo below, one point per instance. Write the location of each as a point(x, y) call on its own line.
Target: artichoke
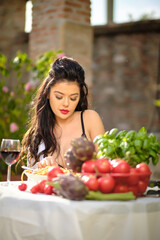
point(72, 161)
point(83, 149)
point(70, 187)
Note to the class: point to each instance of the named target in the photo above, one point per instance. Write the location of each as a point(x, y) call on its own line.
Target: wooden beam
point(110, 6)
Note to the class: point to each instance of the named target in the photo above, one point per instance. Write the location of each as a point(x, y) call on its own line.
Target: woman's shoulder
point(91, 118)
point(89, 113)
point(93, 123)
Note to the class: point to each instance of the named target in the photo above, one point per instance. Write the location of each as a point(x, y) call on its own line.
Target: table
point(42, 217)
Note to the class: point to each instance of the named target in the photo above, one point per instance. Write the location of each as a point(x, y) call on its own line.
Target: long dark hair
point(42, 118)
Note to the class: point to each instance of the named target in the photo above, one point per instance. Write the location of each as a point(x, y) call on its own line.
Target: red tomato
point(142, 186)
point(121, 180)
point(115, 161)
point(91, 182)
point(106, 184)
point(120, 166)
point(48, 189)
point(120, 188)
point(22, 187)
point(133, 189)
point(133, 177)
point(88, 166)
point(35, 189)
point(144, 170)
point(103, 165)
point(54, 172)
point(41, 186)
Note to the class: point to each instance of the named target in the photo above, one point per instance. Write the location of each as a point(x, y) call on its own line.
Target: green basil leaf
point(137, 144)
point(121, 134)
point(155, 160)
point(130, 135)
point(143, 129)
point(141, 135)
point(152, 137)
point(113, 131)
point(145, 144)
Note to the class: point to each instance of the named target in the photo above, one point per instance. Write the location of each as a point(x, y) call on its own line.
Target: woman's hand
point(47, 161)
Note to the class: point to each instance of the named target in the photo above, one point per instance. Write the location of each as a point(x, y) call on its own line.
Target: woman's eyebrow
point(58, 92)
point(63, 93)
point(75, 94)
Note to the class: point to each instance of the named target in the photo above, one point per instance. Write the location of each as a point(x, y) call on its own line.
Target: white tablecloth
point(26, 216)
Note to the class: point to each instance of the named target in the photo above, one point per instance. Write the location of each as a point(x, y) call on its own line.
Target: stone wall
point(125, 72)
point(63, 25)
point(48, 16)
point(57, 25)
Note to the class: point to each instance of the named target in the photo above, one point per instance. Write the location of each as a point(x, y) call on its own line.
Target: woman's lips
point(64, 111)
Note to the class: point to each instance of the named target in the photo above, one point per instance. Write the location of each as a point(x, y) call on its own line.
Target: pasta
point(44, 171)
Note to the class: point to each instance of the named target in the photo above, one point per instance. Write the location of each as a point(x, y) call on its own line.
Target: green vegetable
point(69, 186)
point(82, 148)
point(134, 147)
point(130, 135)
point(92, 195)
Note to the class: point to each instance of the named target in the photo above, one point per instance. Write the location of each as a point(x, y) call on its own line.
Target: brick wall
point(57, 25)
point(125, 70)
point(48, 15)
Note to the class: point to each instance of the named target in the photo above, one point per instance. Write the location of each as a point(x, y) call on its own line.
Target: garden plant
point(15, 102)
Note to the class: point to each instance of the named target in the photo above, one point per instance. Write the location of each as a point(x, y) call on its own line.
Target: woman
point(60, 114)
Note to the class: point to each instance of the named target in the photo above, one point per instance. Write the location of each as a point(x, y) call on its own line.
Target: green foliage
point(157, 102)
point(144, 16)
point(132, 146)
point(15, 103)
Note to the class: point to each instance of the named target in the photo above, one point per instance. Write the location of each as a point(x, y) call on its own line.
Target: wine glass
point(10, 150)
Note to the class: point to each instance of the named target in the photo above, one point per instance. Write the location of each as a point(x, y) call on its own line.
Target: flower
point(61, 55)
point(5, 89)
point(13, 127)
point(28, 86)
point(12, 93)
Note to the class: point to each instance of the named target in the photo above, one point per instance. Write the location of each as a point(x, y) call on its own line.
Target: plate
point(35, 177)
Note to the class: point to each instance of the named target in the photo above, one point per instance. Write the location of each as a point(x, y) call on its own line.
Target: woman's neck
point(65, 122)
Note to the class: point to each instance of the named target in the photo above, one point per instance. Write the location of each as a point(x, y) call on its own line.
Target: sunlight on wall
point(28, 17)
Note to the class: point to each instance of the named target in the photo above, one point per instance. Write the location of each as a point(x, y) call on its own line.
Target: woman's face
point(63, 98)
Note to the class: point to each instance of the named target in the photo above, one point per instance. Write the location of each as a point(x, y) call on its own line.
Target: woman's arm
point(47, 161)
point(93, 124)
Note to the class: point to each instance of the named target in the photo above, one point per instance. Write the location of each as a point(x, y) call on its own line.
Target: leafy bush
point(15, 103)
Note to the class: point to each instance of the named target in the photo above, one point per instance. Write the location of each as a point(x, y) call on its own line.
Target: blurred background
point(116, 41)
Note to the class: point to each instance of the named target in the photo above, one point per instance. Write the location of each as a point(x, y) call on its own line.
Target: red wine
point(10, 157)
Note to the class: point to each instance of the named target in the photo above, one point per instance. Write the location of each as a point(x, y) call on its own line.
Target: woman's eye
point(58, 97)
point(73, 99)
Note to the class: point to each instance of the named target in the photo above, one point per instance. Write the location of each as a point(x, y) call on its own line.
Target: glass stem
point(9, 173)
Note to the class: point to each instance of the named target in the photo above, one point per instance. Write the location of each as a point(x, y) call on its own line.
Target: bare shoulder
point(91, 115)
point(93, 123)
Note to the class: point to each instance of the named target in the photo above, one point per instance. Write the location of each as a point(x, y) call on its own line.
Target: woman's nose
point(66, 102)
